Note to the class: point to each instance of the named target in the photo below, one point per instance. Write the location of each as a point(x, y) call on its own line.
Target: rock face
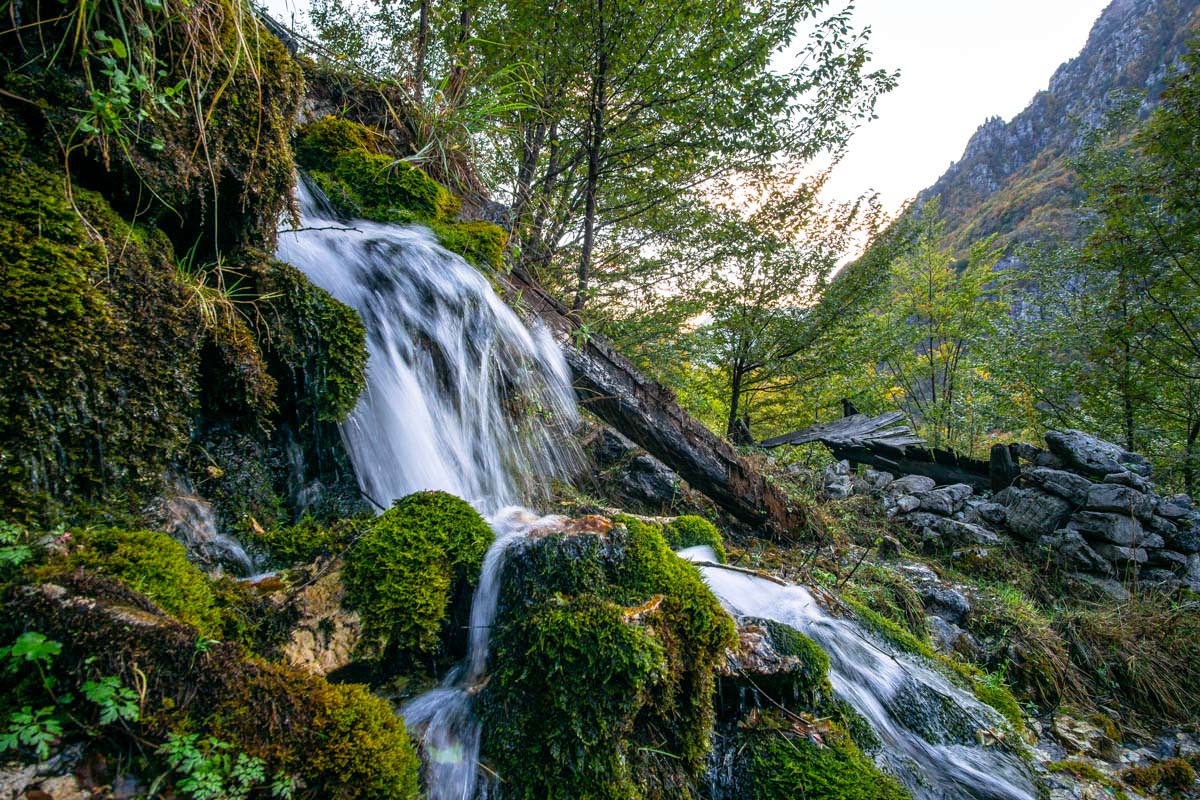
point(1087, 454)
point(326, 633)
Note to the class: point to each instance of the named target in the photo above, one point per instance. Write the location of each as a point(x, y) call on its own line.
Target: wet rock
point(947, 603)
point(773, 663)
point(650, 483)
point(1066, 485)
point(1034, 514)
point(952, 640)
point(1079, 736)
point(837, 482)
point(326, 631)
point(911, 484)
point(1093, 456)
point(1120, 499)
point(1111, 528)
point(1122, 556)
point(932, 715)
point(1071, 552)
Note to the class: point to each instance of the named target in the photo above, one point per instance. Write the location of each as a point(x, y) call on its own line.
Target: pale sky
point(961, 62)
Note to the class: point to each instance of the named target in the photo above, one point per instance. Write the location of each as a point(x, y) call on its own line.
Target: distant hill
point(1014, 178)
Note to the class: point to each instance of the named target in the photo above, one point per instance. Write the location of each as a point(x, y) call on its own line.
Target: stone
point(911, 484)
point(1037, 456)
point(889, 547)
point(939, 502)
point(1111, 528)
point(607, 447)
point(1094, 456)
point(907, 503)
point(992, 513)
point(947, 603)
point(964, 533)
point(1130, 479)
point(878, 481)
point(1108, 586)
point(920, 519)
point(1170, 508)
point(1168, 559)
point(650, 483)
point(1006, 497)
point(1184, 535)
point(1066, 485)
point(1034, 514)
point(1120, 499)
point(1079, 736)
point(1122, 556)
point(1193, 573)
point(1159, 577)
point(1152, 541)
point(1070, 552)
point(326, 629)
point(837, 482)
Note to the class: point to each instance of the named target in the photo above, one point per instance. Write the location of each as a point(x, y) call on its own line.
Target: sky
point(961, 62)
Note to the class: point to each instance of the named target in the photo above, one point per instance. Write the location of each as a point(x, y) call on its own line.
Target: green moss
point(1174, 774)
point(319, 345)
point(1080, 769)
point(150, 563)
point(691, 531)
point(308, 539)
point(98, 379)
point(623, 606)
point(480, 243)
point(776, 763)
point(407, 568)
point(345, 160)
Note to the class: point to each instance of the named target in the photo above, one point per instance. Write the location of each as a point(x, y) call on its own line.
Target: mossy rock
point(150, 563)
point(408, 568)
point(345, 160)
point(98, 384)
point(338, 741)
point(480, 243)
point(690, 530)
point(774, 762)
point(308, 539)
point(621, 606)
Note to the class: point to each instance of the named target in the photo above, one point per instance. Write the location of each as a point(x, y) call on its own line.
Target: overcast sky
point(961, 62)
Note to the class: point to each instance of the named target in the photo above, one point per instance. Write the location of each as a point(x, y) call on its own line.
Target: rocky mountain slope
point(1014, 178)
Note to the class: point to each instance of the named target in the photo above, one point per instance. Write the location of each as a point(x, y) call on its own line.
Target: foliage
point(1174, 774)
point(409, 566)
point(619, 605)
point(690, 531)
point(308, 539)
point(151, 563)
point(209, 771)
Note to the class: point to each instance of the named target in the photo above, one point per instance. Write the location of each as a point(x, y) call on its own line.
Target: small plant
point(37, 729)
point(116, 702)
point(210, 770)
point(14, 547)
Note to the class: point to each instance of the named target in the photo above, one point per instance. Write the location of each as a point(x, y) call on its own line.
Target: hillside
point(1014, 177)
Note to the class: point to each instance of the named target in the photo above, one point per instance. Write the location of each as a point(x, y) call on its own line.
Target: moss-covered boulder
point(365, 178)
point(408, 569)
point(334, 741)
point(602, 668)
point(690, 530)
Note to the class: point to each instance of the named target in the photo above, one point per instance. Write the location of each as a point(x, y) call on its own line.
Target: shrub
point(404, 572)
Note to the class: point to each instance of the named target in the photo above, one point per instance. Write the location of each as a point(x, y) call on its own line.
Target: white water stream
point(463, 397)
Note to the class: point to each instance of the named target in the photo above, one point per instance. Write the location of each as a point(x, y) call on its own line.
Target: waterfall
point(918, 715)
point(461, 395)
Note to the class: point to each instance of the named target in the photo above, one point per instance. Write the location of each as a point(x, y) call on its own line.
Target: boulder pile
point(1089, 504)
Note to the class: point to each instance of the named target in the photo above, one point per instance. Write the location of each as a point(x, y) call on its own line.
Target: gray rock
point(1168, 559)
point(1066, 485)
point(1120, 499)
point(1122, 556)
point(1171, 508)
point(1111, 528)
point(1182, 500)
point(1034, 514)
point(920, 519)
point(878, 481)
point(911, 484)
point(947, 500)
point(992, 513)
point(1193, 574)
point(1094, 456)
point(1130, 479)
point(947, 603)
point(964, 533)
point(1038, 457)
point(1005, 497)
point(907, 503)
point(1152, 541)
point(1159, 577)
point(1070, 552)
point(836, 480)
point(1184, 535)
point(1110, 587)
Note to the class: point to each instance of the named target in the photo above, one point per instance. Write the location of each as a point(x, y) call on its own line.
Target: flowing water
point(461, 395)
point(925, 724)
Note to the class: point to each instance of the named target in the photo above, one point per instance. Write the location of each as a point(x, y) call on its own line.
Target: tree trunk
point(735, 398)
point(422, 50)
point(594, 145)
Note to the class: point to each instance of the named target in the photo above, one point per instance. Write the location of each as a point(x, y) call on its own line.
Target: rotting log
point(611, 387)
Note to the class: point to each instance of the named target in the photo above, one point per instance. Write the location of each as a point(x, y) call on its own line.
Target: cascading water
point(461, 395)
point(922, 720)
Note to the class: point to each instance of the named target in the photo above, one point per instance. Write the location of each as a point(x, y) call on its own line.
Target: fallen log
point(611, 387)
